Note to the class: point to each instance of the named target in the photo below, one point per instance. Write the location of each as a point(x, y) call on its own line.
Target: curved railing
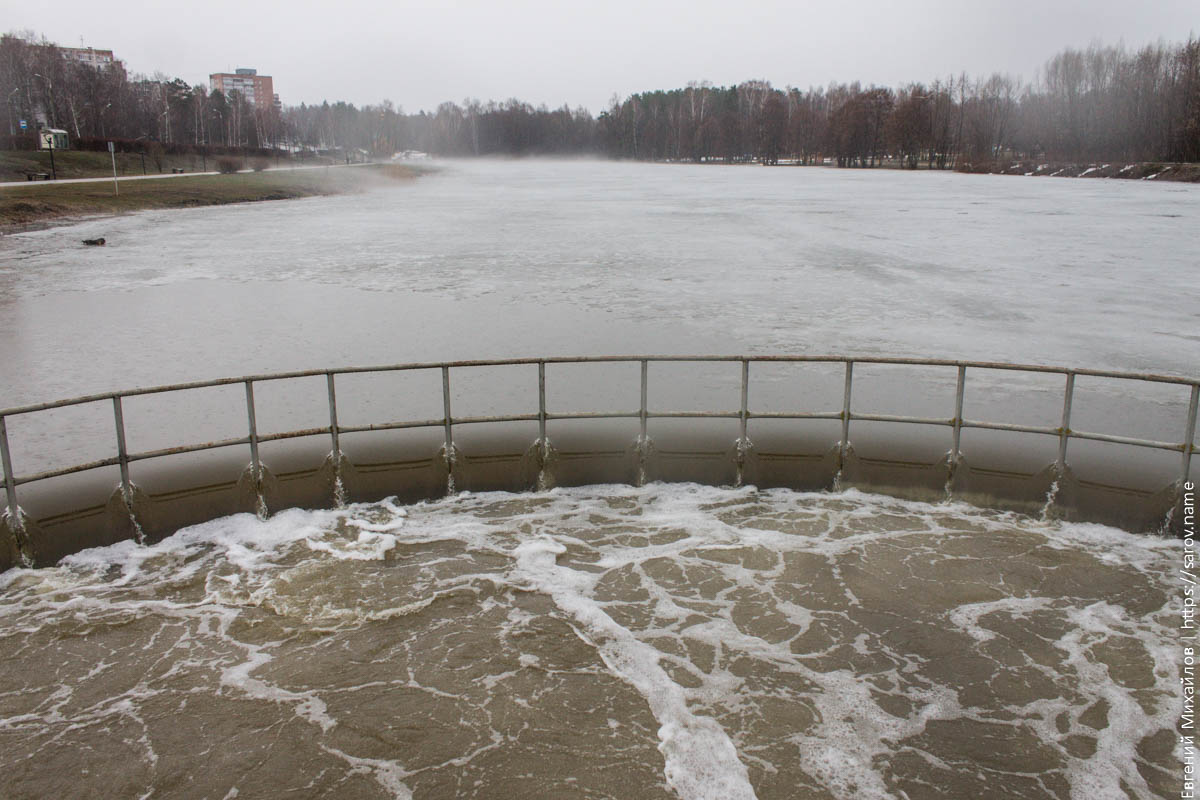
point(1063, 432)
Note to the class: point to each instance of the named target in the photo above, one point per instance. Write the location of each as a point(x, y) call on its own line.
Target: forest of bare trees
point(1103, 102)
point(1098, 103)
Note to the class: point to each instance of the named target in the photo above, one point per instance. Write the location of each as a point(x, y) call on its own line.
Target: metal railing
point(643, 414)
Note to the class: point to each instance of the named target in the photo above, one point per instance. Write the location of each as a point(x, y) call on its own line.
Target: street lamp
point(143, 149)
point(49, 93)
point(12, 131)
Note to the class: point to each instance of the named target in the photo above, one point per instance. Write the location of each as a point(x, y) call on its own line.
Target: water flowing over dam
point(695, 641)
point(611, 641)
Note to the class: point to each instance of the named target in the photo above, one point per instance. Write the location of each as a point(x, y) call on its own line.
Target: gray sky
point(418, 54)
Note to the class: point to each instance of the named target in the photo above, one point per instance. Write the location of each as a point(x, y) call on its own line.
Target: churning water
point(599, 642)
point(607, 641)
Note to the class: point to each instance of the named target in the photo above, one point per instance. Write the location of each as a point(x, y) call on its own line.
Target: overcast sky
point(418, 54)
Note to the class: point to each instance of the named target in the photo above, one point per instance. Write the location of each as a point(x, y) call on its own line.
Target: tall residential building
point(88, 55)
point(257, 89)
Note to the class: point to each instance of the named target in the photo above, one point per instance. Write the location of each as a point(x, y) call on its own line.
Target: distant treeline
point(1102, 103)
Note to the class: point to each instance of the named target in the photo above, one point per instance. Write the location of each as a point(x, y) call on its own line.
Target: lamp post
point(143, 149)
point(49, 94)
point(12, 131)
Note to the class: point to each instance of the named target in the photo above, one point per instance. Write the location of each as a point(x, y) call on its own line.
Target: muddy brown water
point(616, 642)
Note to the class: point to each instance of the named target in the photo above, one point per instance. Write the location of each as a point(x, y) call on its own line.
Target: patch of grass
point(43, 204)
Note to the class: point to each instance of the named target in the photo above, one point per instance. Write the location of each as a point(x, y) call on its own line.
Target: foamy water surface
point(663, 641)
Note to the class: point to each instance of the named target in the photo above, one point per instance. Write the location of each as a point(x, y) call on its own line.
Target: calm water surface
point(531, 258)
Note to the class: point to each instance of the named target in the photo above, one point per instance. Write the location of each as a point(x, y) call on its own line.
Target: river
point(610, 641)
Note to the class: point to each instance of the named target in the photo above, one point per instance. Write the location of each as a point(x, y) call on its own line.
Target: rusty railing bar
point(694, 415)
point(186, 448)
point(507, 418)
point(1108, 437)
point(933, 362)
point(796, 415)
point(949, 423)
point(1008, 426)
point(594, 415)
point(393, 426)
point(276, 437)
point(58, 473)
point(1064, 433)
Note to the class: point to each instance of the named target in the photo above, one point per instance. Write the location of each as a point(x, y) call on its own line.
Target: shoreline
point(1174, 172)
point(33, 208)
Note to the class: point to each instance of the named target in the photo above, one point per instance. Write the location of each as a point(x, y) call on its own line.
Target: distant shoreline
point(35, 207)
point(1121, 170)
point(1185, 172)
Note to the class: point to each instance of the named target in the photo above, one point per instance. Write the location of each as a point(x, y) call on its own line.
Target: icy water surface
point(529, 258)
point(620, 642)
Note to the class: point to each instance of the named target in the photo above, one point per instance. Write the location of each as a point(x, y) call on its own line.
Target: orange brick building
point(258, 89)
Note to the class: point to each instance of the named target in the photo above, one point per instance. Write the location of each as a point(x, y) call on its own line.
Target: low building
point(53, 139)
point(258, 90)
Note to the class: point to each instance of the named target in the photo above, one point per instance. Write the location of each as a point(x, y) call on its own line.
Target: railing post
point(643, 412)
point(1064, 432)
point(10, 485)
point(544, 445)
point(122, 453)
point(958, 417)
point(745, 397)
point(845, 443)
point(255, 464)
point(333, 423)
point(449, 432)
point(339, 489)
point(1188, 438)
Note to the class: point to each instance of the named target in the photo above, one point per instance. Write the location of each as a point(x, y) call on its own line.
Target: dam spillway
point(495, 452)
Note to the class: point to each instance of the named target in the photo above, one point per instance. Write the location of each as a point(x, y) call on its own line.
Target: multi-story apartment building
point(88, 55)
point(257, 89)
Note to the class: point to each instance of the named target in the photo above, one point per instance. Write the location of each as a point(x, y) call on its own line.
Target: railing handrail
point(1064, 432)
point(503, 362)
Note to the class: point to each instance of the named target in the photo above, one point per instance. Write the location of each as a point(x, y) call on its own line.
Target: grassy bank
point(22, 207)
point(16, 165)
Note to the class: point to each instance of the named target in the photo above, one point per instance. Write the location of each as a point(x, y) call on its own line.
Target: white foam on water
point(701, 761)
point(388, 774)
point(707, 567)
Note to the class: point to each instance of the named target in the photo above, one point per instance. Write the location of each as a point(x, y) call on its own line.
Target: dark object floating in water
point(96, 242)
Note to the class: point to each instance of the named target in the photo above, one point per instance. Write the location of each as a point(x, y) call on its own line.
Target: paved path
point(157, 176)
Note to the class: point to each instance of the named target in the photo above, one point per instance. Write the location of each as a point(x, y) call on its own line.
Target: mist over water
point(494, 259)
point(605, 641)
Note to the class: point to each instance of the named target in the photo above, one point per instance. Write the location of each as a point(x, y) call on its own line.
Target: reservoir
point(671, 640)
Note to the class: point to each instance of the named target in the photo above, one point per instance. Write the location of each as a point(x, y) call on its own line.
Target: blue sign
point(23, 126)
